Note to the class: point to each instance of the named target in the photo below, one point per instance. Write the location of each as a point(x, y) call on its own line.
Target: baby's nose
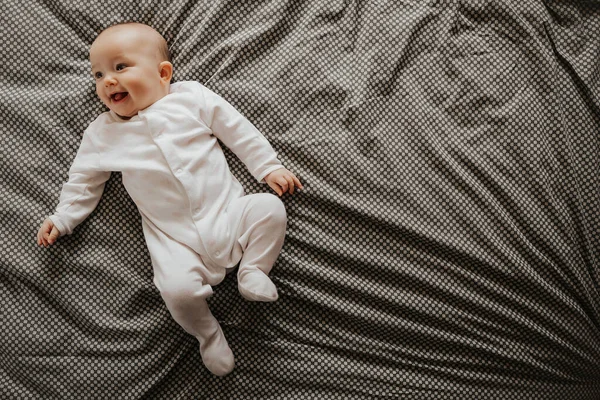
point(109, 80)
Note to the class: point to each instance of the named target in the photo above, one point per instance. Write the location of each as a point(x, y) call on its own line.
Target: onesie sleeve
point(81, 193)
point(238, 134)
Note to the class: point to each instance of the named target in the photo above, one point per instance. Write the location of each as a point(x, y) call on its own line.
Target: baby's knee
point(180, 290)
point(275, 208)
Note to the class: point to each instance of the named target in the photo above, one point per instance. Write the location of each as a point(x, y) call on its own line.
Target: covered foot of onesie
point(216, 354)
point(255, 285)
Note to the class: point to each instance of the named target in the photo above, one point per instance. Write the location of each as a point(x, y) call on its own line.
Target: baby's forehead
point(129, 39)
point(135, 32)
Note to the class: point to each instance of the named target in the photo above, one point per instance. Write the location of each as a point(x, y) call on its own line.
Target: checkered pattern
point(446, 244)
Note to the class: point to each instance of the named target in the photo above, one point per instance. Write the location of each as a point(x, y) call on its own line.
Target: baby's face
point(128, 71)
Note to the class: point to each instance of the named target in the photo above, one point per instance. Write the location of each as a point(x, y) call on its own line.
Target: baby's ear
point(166, 71)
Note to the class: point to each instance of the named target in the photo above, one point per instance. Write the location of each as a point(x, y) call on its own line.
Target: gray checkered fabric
point(446, 244)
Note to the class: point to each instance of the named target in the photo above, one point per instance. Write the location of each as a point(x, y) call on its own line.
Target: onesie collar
point(119, 119)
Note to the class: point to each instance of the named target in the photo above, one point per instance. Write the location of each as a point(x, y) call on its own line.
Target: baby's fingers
point(290, 183)
point(276, 188)
point(53, 235)
point(42, 239)
point(44, 232)
point(283, 183)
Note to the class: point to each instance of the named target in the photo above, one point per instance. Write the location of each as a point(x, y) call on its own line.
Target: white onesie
point(191, 205)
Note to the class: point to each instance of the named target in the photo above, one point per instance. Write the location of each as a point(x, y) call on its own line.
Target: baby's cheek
point(100, 96)
point(144, 95)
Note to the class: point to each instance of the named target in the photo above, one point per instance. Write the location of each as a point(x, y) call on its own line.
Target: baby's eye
point(121, 66)
point(98, 75)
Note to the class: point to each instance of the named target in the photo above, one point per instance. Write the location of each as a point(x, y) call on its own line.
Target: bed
point(446, 244)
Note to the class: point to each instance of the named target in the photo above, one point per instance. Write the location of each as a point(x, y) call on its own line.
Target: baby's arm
point(238, 134)
point(79, 196)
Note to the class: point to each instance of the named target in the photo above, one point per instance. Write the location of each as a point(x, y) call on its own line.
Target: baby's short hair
point(163, 48)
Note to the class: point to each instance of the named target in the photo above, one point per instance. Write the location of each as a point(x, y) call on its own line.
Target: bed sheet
point(446, 244)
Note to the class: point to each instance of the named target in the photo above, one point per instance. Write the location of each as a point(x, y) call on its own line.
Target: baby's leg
point(185, 297)
point(262, 232)
point(180, 276)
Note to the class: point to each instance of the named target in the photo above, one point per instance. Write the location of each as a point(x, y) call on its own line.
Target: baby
point(197, 222)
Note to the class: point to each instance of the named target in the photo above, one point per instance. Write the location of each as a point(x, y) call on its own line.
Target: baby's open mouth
point(116, 97)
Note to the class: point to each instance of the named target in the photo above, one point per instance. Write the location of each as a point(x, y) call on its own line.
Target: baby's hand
point(281, 180)
point(47, 234)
